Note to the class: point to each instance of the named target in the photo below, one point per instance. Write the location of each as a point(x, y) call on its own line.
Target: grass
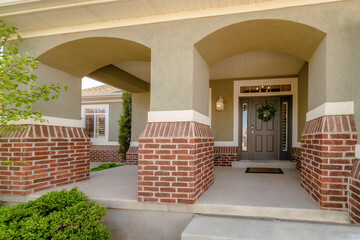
point(106, 166)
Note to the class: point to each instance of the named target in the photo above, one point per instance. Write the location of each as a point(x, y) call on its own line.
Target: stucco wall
point(69, 103)
point(317, 77)
point(355, 71)
point(115, 111)
point(222, 121)
point(302, 98)
point(201, 84)
point(140, 108)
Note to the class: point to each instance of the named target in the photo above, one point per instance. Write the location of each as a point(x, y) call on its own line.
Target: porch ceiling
point(40, 17)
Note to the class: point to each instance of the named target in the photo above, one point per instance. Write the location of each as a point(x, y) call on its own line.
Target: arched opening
point(122, 64)
point(256, 64)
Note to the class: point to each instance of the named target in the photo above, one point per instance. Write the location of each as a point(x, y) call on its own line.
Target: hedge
point(55, 215)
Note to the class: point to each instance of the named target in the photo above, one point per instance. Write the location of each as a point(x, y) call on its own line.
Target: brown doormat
point(264, 170)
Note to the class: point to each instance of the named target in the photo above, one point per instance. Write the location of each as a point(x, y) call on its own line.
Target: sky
point(88, 83)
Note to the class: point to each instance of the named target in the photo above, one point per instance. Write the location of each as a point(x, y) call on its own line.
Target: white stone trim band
point(52, 121)
point(178, 116)
point(331, 108)
point(225, 144)
point(134, 144)
point(357, 151)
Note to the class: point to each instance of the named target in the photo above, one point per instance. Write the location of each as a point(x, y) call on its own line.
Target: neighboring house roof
point(101, 94)
point(103, 89)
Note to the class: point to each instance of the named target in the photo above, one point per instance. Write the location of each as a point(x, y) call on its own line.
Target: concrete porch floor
point(234, 193)
point(232, 186)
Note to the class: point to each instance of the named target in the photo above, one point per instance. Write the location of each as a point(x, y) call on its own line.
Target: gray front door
point(262, 137)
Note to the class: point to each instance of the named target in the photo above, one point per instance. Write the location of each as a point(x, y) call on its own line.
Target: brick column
point(354, 193)
point(132, 156)
point(328, 154)
point(176, 162)
point(296, 157)
point(54, 156)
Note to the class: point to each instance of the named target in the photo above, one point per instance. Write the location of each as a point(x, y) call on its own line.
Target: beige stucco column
point(179, 79)
point(176, 148)
point(330, 135)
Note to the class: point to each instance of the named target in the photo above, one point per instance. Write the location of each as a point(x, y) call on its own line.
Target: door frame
point(282, 155)
point(256, 82)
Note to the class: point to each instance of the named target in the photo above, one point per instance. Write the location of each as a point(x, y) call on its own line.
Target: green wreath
point(266, 109)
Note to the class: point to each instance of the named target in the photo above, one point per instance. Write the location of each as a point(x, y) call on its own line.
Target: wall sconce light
point(220, 104)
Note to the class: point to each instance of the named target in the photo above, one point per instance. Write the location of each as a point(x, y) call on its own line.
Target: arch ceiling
point(257, 64)
point(273, 35)
point(83, 56)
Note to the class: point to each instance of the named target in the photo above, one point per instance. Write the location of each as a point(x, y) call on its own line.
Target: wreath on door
point(266, 112)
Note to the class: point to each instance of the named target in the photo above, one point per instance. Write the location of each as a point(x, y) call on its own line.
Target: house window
point(95, 118)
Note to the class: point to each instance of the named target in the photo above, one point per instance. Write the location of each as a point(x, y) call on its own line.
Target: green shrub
point(106, 166)
point(125, 125)
point(55, 215)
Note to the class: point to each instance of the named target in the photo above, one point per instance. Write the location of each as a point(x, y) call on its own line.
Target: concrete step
point(263, 163)
point(227, 228)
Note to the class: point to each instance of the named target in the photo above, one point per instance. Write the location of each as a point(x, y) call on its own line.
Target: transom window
point(266, 88)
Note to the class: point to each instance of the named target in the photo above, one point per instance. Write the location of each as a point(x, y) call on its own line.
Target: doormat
point(264, 170)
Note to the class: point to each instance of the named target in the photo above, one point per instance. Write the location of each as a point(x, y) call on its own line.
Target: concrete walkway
point(227, 228)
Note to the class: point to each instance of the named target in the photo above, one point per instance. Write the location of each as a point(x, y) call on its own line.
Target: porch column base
point(328, 155)
point(53, 156)
point(354, 194)
point(176, 162)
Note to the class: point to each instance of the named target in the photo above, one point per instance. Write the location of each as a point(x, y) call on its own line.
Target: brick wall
point(296, 157)
point(328, 154)
point(132, 156)
point(54, 156)
point(176, 162)
point(224, 156)
point(354, 193)
point(104, 153)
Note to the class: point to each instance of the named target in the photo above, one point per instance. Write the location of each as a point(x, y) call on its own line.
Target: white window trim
point(260, 82)
point(98, 141)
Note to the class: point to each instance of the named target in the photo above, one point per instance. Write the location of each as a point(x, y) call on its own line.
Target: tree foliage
point(55, 215)
point(18, 88)
point(125, 125)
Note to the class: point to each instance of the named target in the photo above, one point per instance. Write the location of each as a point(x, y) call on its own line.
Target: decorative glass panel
point(244, 127)
point(284, 130)
point(100, 126)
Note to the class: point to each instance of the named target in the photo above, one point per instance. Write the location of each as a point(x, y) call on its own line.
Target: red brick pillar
point(176, 162)
point(354, 193)
point(54, 156)
point(328, 154)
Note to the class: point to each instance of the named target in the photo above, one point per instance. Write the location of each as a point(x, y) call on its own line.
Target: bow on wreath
point(266, 112)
